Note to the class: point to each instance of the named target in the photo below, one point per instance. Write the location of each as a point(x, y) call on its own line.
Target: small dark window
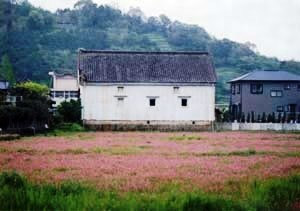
point(152, 102)
point(276, 93)
point(238, 88)
point(279, 108)
point(233, 89)
point(256, 88)
point(148, 122)
point(287, 86)
point(176, 89)
point(120, 88)
point(298, 87)
point(184, 102)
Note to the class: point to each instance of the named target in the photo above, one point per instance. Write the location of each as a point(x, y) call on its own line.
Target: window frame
point(184, 100)
point(233, 89)
point(151, 100)
point(276, 93)
point(238, 89)
point(176, 89)
point(120, 88)
point(256, 85)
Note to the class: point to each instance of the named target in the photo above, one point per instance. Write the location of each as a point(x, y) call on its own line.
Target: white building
point(64, 87)
point(146, 88)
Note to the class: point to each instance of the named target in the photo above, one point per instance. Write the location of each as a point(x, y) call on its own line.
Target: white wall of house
point(65, 83)
point(103, 103)
point(64, 88)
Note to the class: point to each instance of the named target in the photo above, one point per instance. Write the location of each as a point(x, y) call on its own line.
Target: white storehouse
point(64, 87)
point(146, 88)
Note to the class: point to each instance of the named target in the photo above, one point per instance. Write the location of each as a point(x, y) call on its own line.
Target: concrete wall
point(65, 83)
point(258, 126)
point(100, 103)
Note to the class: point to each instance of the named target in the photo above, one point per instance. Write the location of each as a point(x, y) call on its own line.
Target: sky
point(272, 25)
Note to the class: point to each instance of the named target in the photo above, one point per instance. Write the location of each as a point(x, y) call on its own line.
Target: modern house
point(266, 92)
point(64, 87)
point(146, 88)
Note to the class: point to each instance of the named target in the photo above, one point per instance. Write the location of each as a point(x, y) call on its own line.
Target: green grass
point(184, 138)
point(17, 193)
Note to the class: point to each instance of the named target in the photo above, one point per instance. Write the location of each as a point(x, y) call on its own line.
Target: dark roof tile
point(146, 67)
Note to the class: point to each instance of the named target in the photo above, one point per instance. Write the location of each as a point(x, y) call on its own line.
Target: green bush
point(70, 111)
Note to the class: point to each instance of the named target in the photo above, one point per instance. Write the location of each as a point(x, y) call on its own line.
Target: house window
point(152, 101)
point(233, 89)
point(279, 108)
point(73, 94)
point(67, 94)
point(298, 87)
point(120, 100)
point(256, 88)
point(276, 93)
point(120, 88)
point(238, 88)
point(59, 94)
point(176, 89)
point(184, 102)
point(287, 86)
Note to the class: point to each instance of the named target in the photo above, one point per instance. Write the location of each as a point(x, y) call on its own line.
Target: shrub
point(70, 111)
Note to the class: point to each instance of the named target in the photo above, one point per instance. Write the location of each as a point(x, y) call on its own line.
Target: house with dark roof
point(266, 92)
point(64, 87)
point(146, 88)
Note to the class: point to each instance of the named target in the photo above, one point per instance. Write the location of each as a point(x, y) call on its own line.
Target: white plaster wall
point(65, 83)
point(101, 103)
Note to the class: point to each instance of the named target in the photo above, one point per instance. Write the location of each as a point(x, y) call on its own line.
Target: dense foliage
point(16, 193)
point(37, 41)
point(70, 111)
point(30, 109)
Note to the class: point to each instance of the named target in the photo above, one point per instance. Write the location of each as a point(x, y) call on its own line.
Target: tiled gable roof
point(146, 67)
point(267, 75)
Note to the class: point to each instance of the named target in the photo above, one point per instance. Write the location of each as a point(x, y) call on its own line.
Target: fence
point(235, 126)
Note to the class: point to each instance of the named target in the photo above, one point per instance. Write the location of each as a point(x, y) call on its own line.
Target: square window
point(120, 88)
point(152, 102)
point(184, 102)
point(256, 88)
point(176, 89)
point(276, 93)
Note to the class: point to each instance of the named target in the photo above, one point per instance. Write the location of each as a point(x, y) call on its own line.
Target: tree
point(33, 88)
point(70, 111)
point(6, 70)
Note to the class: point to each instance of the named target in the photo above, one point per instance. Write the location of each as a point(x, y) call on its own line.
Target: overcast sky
point(273, 25)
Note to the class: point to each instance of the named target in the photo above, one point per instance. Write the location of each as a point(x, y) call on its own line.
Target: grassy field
point(152, 171)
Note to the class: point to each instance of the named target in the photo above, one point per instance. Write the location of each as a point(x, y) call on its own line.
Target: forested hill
point(37, 41)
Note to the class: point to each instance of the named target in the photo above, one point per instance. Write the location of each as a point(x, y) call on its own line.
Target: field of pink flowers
point(146, 161)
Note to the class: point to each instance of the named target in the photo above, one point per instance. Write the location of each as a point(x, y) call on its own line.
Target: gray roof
point(267, 75)
point(146, 67)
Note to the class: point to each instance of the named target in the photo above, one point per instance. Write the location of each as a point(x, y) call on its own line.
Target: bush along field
point(80, 170)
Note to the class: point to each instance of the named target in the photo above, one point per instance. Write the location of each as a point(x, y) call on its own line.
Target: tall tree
point(6, 70)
